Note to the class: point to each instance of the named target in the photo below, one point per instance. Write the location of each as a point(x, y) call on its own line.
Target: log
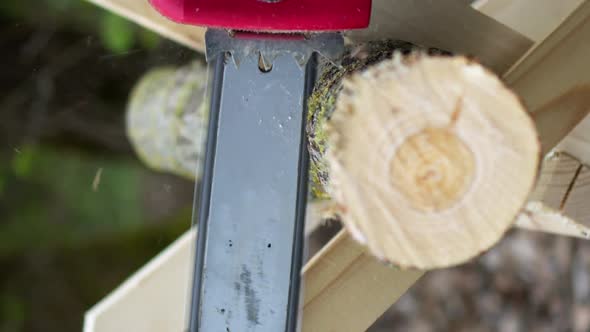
point(166, 118)
point(467, 110)
point(430, 159)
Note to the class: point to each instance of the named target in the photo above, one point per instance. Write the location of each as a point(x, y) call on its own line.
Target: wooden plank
point(560, 203)
point(153, 299)
point(535, 19)
point(449, 25)
point(346, 289)
point(556, 177)
point(557, 64)
point(140, 12)
point(556, 120)
point(577, 202)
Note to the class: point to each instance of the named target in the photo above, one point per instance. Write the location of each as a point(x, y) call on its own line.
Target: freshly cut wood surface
point(430, 159)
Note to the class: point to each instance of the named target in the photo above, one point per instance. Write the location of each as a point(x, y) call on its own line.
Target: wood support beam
point(446, 24)
point(577, 143)
point(154, 299)
point(542, 16)
point(346, 290)
point(553, 79)
point(557, 64)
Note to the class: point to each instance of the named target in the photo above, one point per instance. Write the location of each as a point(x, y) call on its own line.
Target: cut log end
point(430, 159)
point(432, 169)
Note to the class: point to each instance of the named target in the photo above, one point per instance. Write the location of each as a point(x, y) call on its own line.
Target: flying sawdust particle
point(96, 181)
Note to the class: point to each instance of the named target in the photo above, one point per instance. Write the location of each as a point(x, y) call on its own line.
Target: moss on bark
point(322, 102)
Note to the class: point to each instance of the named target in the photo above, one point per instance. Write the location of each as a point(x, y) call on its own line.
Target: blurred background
point(79, 212)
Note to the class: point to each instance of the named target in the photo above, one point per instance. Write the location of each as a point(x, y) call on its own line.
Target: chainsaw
point(264, 56)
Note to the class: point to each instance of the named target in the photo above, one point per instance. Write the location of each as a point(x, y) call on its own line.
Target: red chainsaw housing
point(261, 15)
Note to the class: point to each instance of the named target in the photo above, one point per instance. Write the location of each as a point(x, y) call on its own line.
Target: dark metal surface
point(249, 250)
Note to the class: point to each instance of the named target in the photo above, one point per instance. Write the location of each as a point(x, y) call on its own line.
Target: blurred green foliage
point(117, 34)
point(75, 220)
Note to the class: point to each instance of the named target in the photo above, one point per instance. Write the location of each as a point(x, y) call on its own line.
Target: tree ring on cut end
point(430, 159)
point(433, 169)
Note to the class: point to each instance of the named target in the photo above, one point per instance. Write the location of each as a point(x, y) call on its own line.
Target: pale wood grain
point(445, 135)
